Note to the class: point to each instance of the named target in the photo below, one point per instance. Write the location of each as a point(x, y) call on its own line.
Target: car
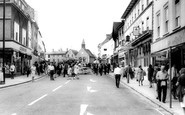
point(84, 70)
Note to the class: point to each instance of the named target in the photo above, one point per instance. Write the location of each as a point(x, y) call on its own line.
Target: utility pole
point(3, 68)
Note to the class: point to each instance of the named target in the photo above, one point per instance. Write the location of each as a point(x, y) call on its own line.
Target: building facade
point(19, 37)
point(72, 54)
point(56, 56)
point(137, 33)
point(84, 55)
point(169, 33)
point(106, 49)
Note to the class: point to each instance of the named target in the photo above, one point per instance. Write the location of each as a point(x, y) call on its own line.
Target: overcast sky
point(65, 23)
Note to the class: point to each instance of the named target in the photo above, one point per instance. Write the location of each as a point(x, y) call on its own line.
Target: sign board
point(136, 30)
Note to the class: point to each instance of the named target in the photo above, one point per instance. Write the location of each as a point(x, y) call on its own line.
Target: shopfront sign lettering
point(23, 49)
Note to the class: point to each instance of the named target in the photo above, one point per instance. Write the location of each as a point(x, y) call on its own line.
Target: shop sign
point(177, 38)
point(23, 49)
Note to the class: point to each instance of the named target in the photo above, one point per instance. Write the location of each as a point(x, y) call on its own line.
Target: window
point(177, 13)
point(158, 25)
point(138, 12)
point(16, 36)
point(142, 7)
point(147, 2)
point(48, 56)
point(166, 18)
point(142, 26)
point(147, 23)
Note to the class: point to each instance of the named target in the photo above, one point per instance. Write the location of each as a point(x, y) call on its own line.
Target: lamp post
point(3, 68)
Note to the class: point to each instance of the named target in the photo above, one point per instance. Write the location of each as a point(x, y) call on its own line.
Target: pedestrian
point(76, 71)
point(52, 71)
point(181, 89)
point(117, 73)
point(162, 77)
point(100, 69)
point(65, 69)
point(140, 74)
point(28, 71)
point(12, 70)
point(150, 75)
point(156, 69)
point(174, 78)
point(33, 72)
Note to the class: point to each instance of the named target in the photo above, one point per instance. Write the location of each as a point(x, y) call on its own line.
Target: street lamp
point(3, 68)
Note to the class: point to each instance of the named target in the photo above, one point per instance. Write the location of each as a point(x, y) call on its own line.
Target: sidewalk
point(18, 80)
point(150, 94)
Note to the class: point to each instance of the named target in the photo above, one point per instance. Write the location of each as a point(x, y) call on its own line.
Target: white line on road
point(37, 99)
point(14, 114)
point(57, 88)
point(92, 80)
point(67, 82)
point(159, 112)
point(83, 108)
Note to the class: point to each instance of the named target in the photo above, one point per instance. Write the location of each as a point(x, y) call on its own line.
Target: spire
point(83, 44)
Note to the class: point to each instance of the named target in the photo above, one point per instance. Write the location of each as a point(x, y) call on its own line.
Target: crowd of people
point(101, 68)
point(159, 78)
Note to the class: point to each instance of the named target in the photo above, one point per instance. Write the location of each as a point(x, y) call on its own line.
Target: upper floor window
point(147, 2)
point(177, 13)
point(166, 16)
point(48, 56)
point(147, 23)
point(142, 7)
point(158, 24)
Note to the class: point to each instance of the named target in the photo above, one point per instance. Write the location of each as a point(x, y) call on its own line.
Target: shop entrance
point(176, 58)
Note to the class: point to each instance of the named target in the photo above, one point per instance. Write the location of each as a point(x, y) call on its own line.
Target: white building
point(106, 48)
point(169, 32)
point(56, 56)
point(71, 54)
point(136, 34)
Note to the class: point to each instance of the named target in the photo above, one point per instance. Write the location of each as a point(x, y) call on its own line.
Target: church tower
point(83, 44)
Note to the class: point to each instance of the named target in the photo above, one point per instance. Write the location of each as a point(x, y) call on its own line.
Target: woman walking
point(33, 71)
point(150, 74)
point(140, 74)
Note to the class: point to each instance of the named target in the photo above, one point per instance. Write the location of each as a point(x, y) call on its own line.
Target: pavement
point(144, 90)
point(18, 80)
point(150, 94)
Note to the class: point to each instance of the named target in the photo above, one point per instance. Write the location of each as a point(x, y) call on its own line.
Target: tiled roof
point(57, 53)
point(75, 52)
point(90, 53)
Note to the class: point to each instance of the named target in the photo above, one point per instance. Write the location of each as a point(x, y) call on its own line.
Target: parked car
point(84, 70)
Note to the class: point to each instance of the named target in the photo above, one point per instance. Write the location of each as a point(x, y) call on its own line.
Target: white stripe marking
point(67, 82)
point(57, 88)
point(14, 114)
point(37, 100)
point(159, 111)
point(83, 108)
point(92, 80)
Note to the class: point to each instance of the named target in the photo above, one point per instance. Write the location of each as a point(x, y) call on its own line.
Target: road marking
point(57, 88)
point(89, 89)
point(92, 80)
point(67, 82)
point(37, 99)
point(14, 114)
point(89, 113)
point(83, 108)
point(159, 112)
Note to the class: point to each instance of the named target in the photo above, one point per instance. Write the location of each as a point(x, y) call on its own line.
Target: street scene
point(92, 57)
point(90, 95)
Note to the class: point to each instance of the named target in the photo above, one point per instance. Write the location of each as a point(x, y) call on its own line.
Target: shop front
point(140, 54)
point(17, 54)
point(170, 49)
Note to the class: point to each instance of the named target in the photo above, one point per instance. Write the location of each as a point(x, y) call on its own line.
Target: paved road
point(90, 95)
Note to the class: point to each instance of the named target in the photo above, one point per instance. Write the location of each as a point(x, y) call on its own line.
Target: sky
point(65, 23)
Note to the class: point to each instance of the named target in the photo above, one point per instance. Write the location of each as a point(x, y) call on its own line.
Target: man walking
point(117, 73)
